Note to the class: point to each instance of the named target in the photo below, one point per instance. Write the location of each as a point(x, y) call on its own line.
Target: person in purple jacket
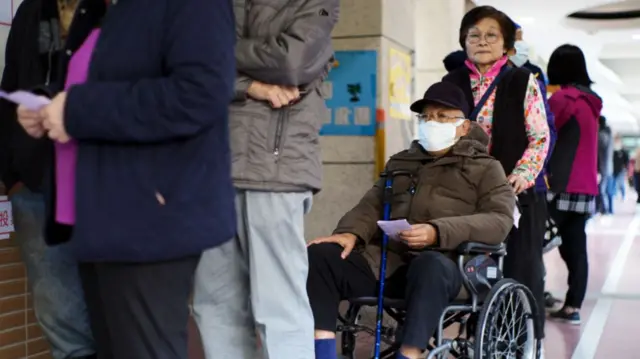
point(573, 168)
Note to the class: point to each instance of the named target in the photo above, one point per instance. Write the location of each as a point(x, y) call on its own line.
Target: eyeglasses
point(475, 38)
point(439, 118)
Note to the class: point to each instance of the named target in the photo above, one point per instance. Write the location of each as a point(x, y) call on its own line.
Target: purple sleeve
point(553, 135)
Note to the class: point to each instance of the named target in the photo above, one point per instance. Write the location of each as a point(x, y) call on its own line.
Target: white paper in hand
point(516, 217)
point(393, 228)
point(27, 99)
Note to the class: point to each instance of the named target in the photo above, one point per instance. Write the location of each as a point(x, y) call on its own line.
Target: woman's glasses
point(475, 38)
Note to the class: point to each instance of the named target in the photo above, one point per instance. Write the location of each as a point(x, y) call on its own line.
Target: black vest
point(508, 133)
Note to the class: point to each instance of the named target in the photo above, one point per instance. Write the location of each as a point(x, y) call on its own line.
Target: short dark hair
point(475, 15)
point(567, 66)
point(454, 60)
point(602, 121)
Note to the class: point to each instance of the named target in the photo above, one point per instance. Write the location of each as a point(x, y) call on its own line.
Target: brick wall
point(20, 336)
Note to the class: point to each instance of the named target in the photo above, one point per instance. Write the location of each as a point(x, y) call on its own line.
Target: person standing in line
point(32, 54)
point(620, 167)
point(636, 174)
point(573, 169)
point(508, 105)
point(520, 58)
point(282, 59)
point(142, 178)
point(604, 201)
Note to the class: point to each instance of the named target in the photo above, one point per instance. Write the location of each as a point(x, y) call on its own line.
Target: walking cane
point(386, 200)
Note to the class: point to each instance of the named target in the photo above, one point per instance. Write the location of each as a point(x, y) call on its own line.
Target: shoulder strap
point(485, 97)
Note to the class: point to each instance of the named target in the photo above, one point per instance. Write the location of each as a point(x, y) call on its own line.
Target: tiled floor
point(610, 319)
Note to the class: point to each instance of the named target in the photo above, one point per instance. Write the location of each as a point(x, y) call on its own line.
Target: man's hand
point(519, 184)
point(31, 121)
point(346, 240)
point(420, 236)
point(53, 118)
point(278, 96)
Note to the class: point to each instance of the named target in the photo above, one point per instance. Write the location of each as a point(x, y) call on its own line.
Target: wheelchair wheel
point(506, 324)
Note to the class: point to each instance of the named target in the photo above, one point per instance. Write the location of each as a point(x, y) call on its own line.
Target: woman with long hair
point(573, 168)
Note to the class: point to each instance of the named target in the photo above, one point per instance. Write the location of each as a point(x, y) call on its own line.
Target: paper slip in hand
point(516, 217)
point(27, 99)
point(393, 228)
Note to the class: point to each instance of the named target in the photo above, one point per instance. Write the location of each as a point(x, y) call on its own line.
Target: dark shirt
point(620, 161)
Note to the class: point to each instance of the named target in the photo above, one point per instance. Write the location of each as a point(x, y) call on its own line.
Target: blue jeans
point(607, 191)
point(620, 184)
point(54, 281)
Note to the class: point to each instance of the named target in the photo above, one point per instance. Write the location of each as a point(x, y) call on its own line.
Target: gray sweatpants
point(258, 282)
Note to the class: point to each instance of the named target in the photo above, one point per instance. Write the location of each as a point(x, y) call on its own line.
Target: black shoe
point(549, 301)
point(564, 316)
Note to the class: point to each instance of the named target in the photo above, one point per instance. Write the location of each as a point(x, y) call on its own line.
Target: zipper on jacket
point(279, 133)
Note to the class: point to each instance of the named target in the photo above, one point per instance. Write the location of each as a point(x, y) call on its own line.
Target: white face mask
point(436, 136)
point(522, 53)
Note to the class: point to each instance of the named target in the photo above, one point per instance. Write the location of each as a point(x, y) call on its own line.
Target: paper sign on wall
point(6, 218)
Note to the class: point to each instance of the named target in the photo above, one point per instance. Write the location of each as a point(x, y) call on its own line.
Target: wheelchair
point(496, 320)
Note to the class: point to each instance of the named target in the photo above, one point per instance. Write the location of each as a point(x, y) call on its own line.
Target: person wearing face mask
point(473, 202)
point(508, 104)
point(519, 57)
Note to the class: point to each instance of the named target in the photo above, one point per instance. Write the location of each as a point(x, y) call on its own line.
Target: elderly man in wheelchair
point(441, 268)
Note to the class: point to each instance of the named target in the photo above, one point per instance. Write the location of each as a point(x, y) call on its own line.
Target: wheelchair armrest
point(481, 248)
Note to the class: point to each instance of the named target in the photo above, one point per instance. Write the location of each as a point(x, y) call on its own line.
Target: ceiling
point(608, 31)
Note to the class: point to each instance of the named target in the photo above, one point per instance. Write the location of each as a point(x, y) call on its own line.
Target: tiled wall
point(20, 336)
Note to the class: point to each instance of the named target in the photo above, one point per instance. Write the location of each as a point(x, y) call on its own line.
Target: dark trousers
point(636, 184)
point(524, 251)
point(139, 311)
point(573, 250)
point(428, 284)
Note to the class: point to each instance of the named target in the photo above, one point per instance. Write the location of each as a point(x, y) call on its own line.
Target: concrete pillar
point(350, 162)
point(437, 28)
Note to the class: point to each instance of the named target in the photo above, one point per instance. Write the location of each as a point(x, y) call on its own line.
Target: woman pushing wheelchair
point(451, 192)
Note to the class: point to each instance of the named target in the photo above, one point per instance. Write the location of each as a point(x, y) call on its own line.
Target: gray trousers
point(257, 283)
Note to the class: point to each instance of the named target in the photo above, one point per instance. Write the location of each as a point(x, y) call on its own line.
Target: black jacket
point(33, 50)
point(620, 162)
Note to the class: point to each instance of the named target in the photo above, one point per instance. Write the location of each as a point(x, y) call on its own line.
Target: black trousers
point(636, 184)
point(524, 251)
point(139, 311)
point(573, 250)
point(428, 284)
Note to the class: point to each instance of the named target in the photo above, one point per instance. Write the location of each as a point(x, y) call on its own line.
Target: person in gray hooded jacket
point(283, 54)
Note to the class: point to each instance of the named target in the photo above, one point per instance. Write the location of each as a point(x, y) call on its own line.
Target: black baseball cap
point(445, 94)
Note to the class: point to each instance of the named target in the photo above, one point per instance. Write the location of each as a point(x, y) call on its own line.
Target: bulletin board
point(350, 94)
